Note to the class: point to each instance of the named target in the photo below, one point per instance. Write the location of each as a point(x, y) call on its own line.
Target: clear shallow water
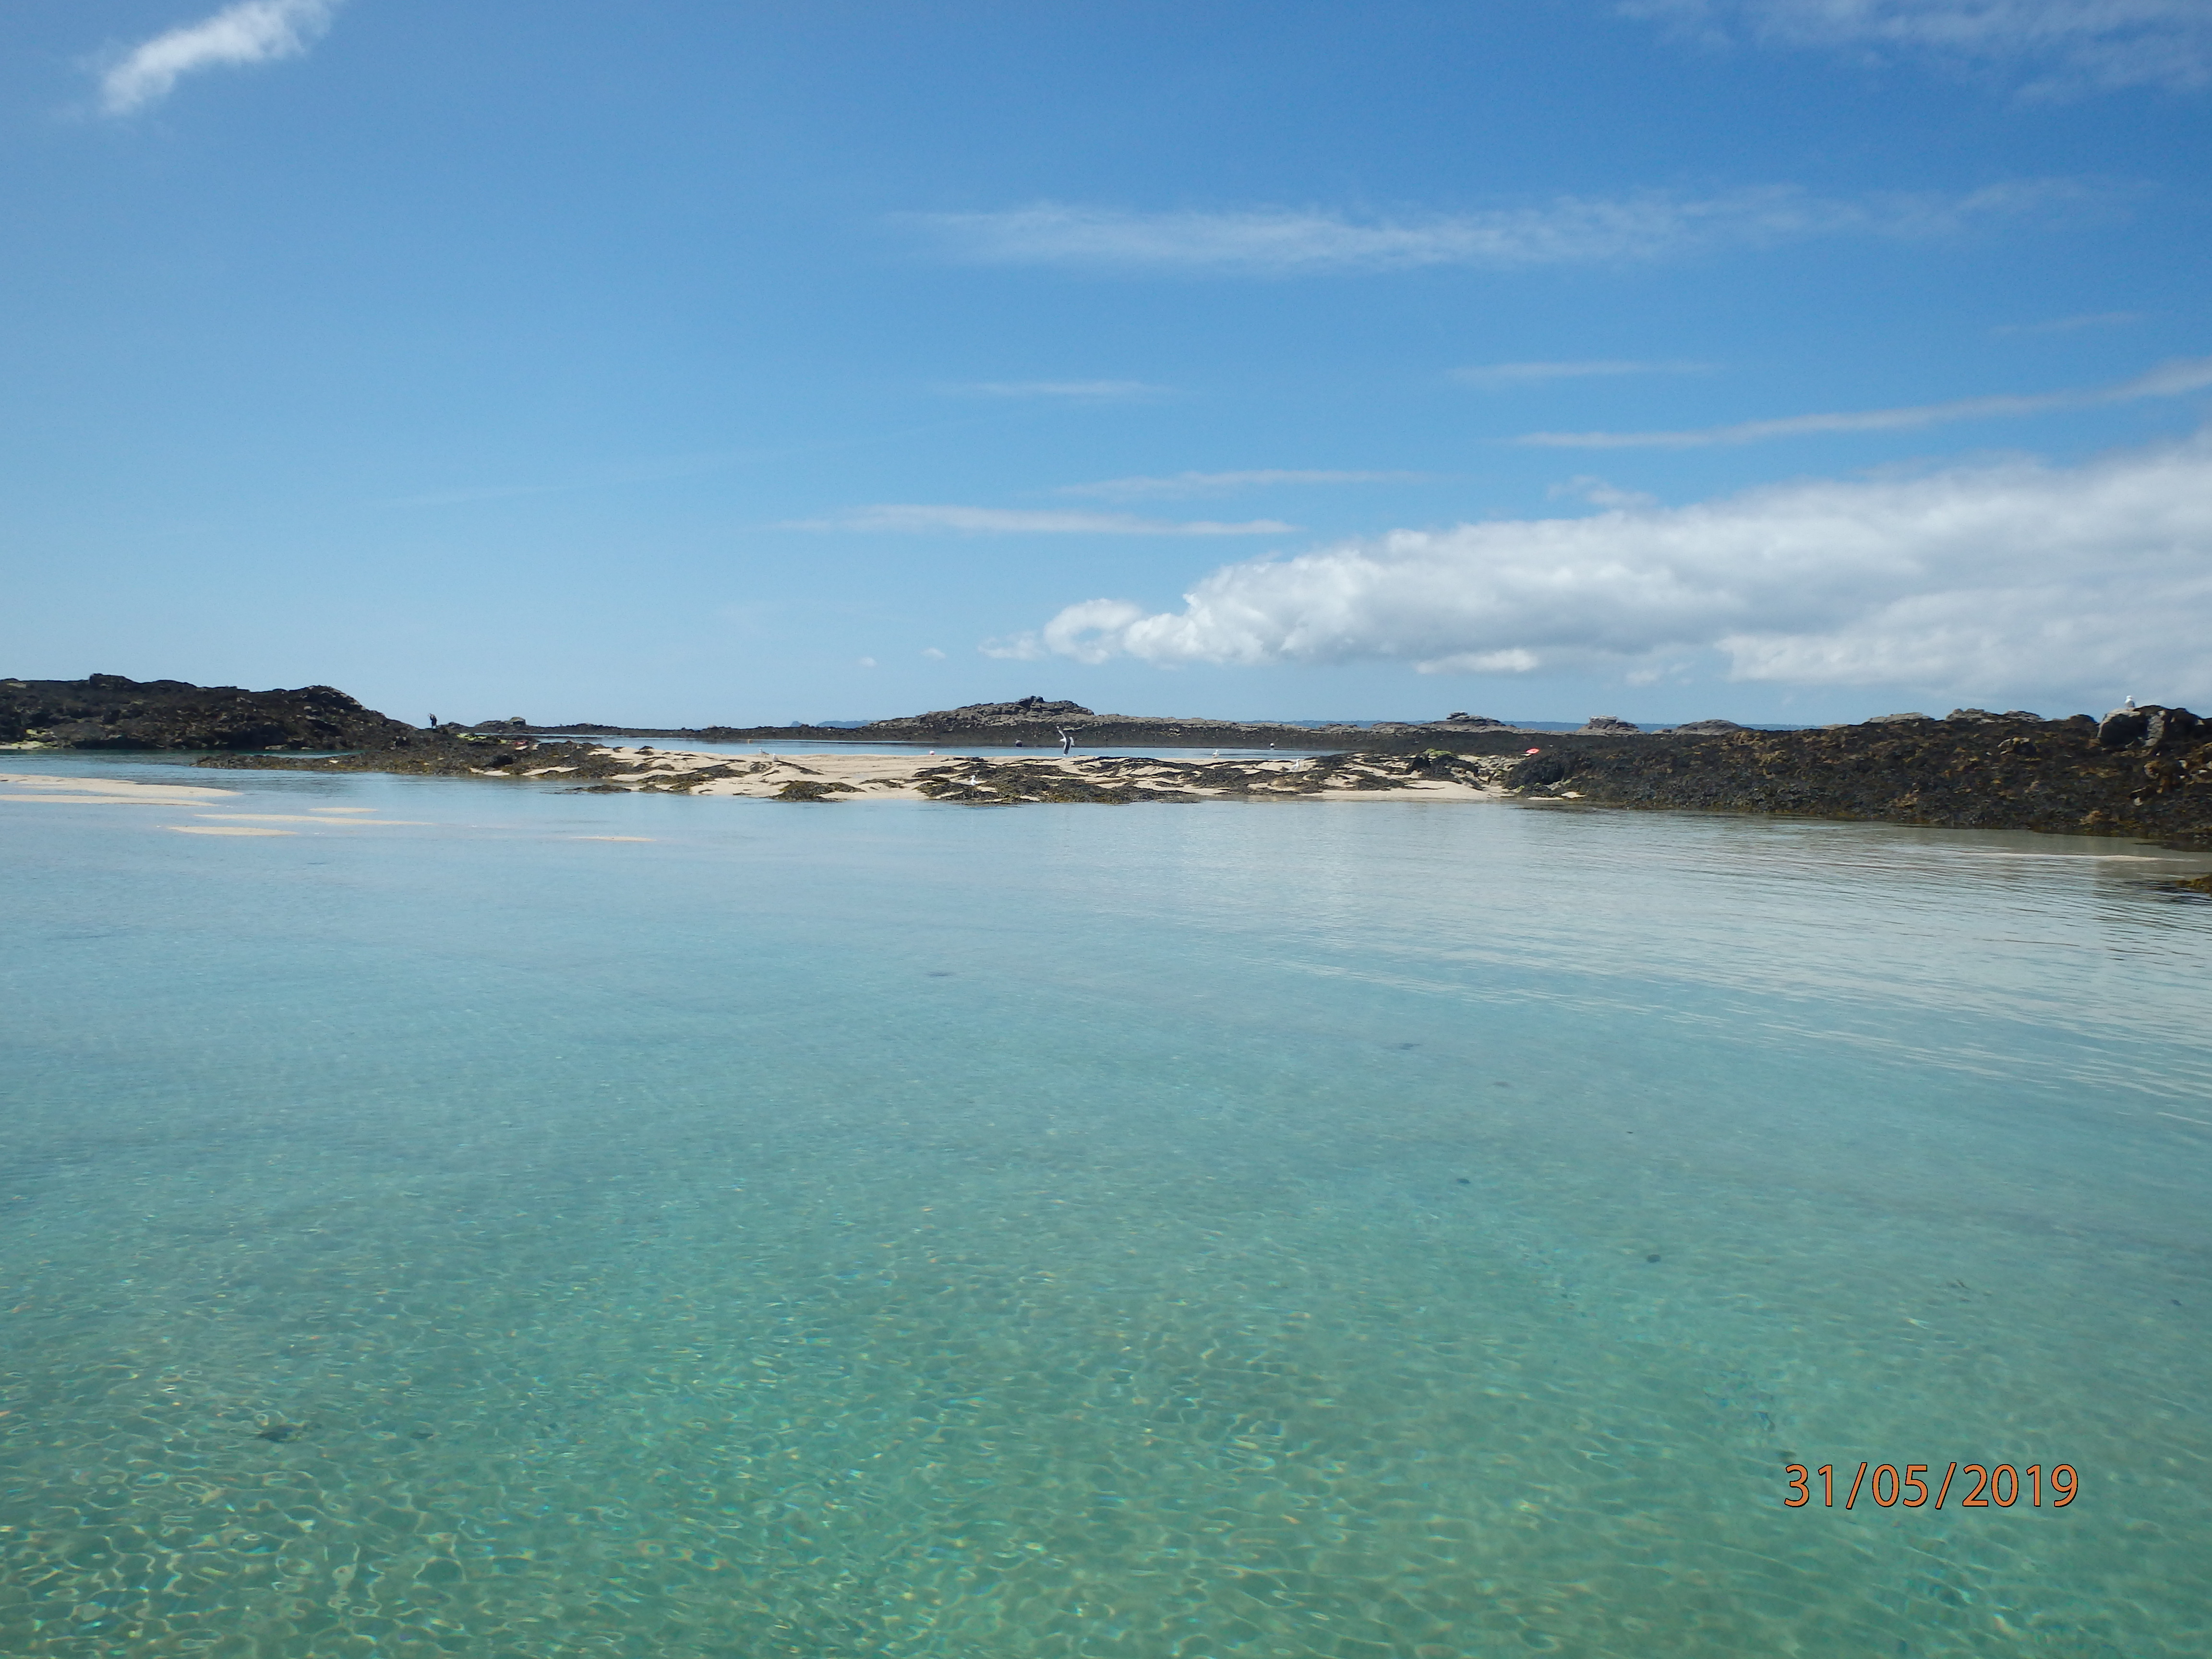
point(1225, 1229)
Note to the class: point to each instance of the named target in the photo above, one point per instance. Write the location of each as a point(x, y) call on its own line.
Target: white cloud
point(251, 32)
point(1216, 483)
point(1571, 230)
point(1081, 391)
point(2168, 380)
point(2063, 46)
point(863, 662)
point(1495, 374)
point(2000, 580)
point(2071, 324)
point(932, 653)
point(1589, 487)
point(998, 521)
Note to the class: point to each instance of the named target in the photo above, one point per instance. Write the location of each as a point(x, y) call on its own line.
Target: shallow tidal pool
point(465, 1219)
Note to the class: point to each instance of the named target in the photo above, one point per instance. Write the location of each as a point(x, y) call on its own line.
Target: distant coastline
point(2142, 772)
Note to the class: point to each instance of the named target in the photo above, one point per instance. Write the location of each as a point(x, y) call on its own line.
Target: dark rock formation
point(453, 751)
point(108, 711)
point(2144, 771)
point(1999, 772)
point(1608, 724)
point(2153, 726)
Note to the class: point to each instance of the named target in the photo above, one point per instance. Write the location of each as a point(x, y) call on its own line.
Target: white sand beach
point(32, 787)
point(979, 780)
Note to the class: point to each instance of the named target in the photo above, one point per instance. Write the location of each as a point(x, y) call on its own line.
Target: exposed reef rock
point(108, 711)
point(2144, 772)
point(2153, 726)
point(2002, 772)
point(966, 779)
point(1029, 711)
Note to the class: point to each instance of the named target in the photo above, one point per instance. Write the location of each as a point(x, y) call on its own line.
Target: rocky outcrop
point(109, 711)
point(1608, 726)
point(1974, 770)
point(2150, 774)
point(2153, 726)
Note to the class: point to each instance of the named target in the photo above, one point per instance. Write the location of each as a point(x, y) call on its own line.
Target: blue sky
point(1784, 360)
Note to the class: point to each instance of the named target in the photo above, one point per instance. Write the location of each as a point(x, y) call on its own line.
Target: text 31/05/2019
point(1998, 1485)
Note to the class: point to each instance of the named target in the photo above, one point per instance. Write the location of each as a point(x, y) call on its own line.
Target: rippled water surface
point(1398, 1230)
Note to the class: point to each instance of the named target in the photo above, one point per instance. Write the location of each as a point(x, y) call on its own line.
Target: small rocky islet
point(2144, 772)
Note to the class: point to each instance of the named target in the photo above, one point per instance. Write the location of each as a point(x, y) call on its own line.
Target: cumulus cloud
point(1216, 484)
point(1499, 374)
point(2168, 380)
point(251, 32)
point(2009, 577)
point(1570, 230)
point(2061, 46)
point(1003, 521)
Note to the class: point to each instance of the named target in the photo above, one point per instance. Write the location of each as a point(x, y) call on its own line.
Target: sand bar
point(978, 780)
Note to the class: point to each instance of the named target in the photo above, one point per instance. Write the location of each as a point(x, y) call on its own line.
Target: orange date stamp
point(1985, 1485)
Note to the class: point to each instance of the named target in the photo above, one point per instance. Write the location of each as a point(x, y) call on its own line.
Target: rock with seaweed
point(1971, 769)
point(112, 711)
point(2142, 771)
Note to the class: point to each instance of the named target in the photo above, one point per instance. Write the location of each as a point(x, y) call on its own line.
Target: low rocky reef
point(2144, 772)
point(111, 711)
point(967, 779)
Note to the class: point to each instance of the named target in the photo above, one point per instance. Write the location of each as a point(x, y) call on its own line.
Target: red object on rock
point(1536, 751)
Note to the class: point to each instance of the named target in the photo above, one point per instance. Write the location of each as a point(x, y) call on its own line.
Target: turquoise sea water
point(1398, 1230)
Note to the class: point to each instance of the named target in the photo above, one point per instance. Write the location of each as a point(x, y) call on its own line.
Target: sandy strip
point(88, 800)
point(899, 776)
point(107, 791)
point(327, 823)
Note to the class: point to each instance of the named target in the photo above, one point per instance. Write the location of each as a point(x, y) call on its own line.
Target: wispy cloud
point(2170, 379)
point(1081, 391)
point(2072, 325)
point(251, 32)
point(1015, 521)
point(2057, 48)
point(1599, 492)
point(1223, 483)
point(2016, 580)
point(1570, 230)
point(1499, 375)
